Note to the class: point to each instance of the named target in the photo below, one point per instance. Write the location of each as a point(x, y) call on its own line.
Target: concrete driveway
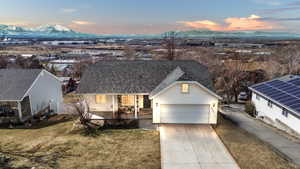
point(193, 147)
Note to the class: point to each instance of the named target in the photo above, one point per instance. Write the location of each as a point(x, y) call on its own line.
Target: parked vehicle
point(243, 96)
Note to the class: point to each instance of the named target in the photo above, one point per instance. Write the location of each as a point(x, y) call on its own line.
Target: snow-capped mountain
point(47, 31)
point(52, 29)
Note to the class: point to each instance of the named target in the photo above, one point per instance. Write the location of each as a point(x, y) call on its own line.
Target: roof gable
point(14, 83)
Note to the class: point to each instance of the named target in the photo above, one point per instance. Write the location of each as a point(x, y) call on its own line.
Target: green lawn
point(55, 147)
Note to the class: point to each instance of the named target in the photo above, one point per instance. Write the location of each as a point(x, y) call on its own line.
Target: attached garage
point(184, 113)
point(185, 102)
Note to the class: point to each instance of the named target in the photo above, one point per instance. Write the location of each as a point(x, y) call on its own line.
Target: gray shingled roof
point(138, 76)
point(15, 82)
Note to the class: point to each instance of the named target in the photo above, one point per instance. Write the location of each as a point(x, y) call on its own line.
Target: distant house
point(174, 91)
point(278, 102)
point(28, 92)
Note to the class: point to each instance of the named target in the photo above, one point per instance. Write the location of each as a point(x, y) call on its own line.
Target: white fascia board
point(191, 82)
point(113, 93)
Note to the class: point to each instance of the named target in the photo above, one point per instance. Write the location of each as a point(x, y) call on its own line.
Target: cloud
point(293, 6)
point(77, 22)
point(268, 2)
point(279, 10)
point(68, 10)
point(253, 22)
point(280, 19)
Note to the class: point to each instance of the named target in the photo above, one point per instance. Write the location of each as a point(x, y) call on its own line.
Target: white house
point(28, 92)
point(178, 92)
point(278, 102)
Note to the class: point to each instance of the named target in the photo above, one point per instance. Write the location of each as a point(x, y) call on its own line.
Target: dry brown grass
point(56, 147)
point(248, 150)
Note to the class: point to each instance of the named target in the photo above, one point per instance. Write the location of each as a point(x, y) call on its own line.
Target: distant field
point(55, 147)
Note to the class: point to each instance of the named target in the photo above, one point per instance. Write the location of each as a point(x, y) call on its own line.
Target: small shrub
point(250, 109)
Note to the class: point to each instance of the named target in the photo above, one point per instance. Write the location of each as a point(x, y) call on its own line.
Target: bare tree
point(3, 62)
point(129, 52)
point(80, 67)
point(232, 80)
point(81, 109)
point(289, 57)
point(170, 43)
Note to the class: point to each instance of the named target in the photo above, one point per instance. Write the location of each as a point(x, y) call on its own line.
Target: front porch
point(120, 106)
point(15, 111)
point(9, 112)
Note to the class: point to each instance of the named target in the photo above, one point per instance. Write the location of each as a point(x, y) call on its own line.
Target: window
point(257, 97)
point(185, 88)
point(270, 104)
point(127, 100)
point(100, 99)
point(285, 112)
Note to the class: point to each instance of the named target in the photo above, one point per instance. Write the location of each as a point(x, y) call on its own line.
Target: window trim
point(182, 88)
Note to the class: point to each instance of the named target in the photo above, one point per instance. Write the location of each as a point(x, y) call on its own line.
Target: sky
point(154, 16)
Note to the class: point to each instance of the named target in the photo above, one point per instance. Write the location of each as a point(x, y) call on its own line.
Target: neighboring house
point(278, 102)
point(28, 92)
point(175, 91)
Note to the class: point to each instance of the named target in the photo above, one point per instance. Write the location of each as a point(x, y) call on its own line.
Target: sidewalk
point(282, 144)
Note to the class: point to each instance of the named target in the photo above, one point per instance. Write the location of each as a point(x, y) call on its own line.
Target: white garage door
point(185, 114)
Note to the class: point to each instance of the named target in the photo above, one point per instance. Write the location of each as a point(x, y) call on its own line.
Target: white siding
point(275, 112)
point(196, 96)
point(108, 106)
point(104, 107)
point(46, 89)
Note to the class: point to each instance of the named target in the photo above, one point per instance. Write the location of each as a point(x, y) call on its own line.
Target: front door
point(147, 102)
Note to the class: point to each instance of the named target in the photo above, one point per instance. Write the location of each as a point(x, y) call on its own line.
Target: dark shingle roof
point(138, 76)
point(15, 82)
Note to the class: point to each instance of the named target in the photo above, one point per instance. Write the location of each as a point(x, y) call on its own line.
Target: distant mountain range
point(58, 31)
point(238, 34)
point(47, 31)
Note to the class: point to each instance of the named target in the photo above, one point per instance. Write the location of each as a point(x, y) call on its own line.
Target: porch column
point(113, 99)
point(20, 110)
point(135, 107)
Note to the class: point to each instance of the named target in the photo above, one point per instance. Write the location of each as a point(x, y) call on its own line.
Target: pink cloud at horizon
point(252, 22)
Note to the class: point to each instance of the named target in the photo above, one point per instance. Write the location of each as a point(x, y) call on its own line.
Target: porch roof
point(138, 76)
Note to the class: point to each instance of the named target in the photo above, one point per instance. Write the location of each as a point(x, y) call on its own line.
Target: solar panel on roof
point(286, 93)
point(274, 82)
point(286, 99)
point(261, 86)
point(297, 95)
point(276, 94)
point(290, 89)
point(291, 102)
point(295, 92)
point(295, 81)
point(295, 106)
point(297, 109)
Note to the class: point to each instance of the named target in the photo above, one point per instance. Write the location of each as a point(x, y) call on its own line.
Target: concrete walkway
point(287, 147)
point(193, 147)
